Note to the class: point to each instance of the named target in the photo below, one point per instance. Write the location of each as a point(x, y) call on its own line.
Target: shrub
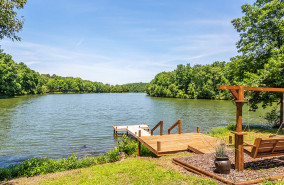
point(101, 159)
point(231, 127)
point(128, 146)
point(113, 155)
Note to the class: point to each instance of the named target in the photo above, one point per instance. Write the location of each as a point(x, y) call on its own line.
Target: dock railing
point(174, 125)
point(161, 128)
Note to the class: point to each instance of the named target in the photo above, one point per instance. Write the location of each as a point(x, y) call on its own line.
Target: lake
point(57, 125)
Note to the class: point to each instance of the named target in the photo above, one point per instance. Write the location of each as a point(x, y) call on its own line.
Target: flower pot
point(223, 165)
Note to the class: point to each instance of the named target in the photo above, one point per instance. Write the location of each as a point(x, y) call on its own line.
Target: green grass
point(256, 131)
point(131, 171)
point(277, 182)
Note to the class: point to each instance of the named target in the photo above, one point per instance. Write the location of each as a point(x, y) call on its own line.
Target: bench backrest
point(264, 147)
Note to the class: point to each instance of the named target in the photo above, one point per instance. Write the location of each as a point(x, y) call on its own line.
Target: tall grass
point(38, 166)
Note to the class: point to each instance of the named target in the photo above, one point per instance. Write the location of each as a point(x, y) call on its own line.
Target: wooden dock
point(173, 143)
point(170, 143)
point(133, 130)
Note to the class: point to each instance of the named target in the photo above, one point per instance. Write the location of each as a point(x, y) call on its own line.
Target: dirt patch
point(254, 168)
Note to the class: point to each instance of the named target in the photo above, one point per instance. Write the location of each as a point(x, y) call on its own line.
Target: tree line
point(197, 82)
point(18, 79)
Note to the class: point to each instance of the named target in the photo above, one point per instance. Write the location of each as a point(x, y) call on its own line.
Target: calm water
point(56, 125)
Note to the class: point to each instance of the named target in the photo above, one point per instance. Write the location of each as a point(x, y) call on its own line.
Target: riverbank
point(133, 169)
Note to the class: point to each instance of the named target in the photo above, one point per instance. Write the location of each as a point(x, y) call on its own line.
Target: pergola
point(238, 93)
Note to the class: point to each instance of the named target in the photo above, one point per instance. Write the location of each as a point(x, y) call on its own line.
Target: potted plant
point(222, 162)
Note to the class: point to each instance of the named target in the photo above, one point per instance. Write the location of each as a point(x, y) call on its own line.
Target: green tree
point(261, 44)
point(10, 23)
point(9, 80)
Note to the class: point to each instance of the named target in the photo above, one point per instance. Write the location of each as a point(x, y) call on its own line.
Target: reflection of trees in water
point(7, 110)
point(8, 103)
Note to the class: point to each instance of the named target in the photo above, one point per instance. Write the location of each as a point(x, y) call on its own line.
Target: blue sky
point(123, 41)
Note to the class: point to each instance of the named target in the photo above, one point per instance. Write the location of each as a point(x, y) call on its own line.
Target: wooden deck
point(173, 143)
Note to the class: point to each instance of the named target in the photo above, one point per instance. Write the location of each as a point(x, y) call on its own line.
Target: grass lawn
point(223, 133)
point(130, 171)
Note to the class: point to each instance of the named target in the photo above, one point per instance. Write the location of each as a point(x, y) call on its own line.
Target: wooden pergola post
point(238, 93)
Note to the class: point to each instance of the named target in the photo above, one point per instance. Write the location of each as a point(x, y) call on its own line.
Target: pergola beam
point(234, 93)
point(251, 88)
point(238, 93)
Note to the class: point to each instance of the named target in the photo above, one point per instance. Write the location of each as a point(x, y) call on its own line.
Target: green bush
point(101, 159)
point(127, 145)
point(130, 147)
point(231, 127)
point(113, 155)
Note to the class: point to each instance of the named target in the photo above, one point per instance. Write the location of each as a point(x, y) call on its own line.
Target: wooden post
point(161, 129)
point(116, 131)
point(239, 152)
point(179, 126)
point(282, 109)
point(230, 140)
point(239, 138)
point(158, 146)
point(197, 130)
point(139, 144)
point(113, 129)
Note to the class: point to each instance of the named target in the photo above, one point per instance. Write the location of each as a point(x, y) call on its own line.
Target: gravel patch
point(254, 168)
